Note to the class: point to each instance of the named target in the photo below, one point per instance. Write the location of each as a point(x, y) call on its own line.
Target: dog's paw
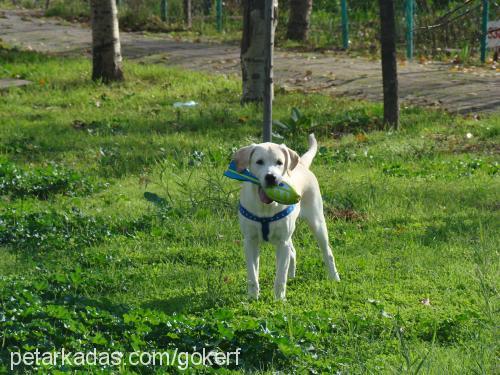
point(253, 293)
point(335, 276)
point(280, 292)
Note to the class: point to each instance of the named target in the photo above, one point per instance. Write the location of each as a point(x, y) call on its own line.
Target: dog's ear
point(291, 158)
point(242, 157)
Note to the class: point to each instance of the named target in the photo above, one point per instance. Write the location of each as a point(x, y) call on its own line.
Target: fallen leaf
point(361, 137)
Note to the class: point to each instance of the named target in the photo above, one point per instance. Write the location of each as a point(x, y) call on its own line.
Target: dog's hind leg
point(293, 261)
point(318, 227)
point(313, 214)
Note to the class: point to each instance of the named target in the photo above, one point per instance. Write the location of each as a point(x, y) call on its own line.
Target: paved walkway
point(5, 83)
point(435, 84)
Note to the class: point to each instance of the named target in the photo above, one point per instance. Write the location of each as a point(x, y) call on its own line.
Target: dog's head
point(269, 162)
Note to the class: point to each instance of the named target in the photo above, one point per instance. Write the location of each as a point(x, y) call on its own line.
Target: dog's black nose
point(270, 179)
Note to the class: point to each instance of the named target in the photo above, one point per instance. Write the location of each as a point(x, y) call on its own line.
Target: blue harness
point(264, 221)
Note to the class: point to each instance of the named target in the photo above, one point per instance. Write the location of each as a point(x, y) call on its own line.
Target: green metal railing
point(410, 9)
point(163, 10)
point(410, 13)
point(484, 30)
point(219, 16)
point(345, 25)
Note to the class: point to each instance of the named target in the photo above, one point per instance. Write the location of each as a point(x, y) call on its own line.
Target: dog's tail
point(308, 157)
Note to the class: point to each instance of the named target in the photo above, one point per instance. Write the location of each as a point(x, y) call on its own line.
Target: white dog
point(261, 219)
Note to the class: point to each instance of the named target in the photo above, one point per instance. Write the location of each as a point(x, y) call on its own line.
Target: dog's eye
point(260, 161)
point(279, 162)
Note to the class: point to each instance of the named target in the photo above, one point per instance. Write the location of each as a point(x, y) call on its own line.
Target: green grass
point(88, 262)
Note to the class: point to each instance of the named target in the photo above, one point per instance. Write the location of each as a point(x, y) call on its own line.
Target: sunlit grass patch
point(136, 244)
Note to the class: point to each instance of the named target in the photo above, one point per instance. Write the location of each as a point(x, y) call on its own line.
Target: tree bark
point(299, 19)
point(187, 13)
point(253, 48)
point(106, 49)
point(389, 63)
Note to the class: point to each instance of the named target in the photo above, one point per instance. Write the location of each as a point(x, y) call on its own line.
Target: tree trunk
point(389, 64)
point(253, 48)
point(299, 19)
point(47, 4)
point(187, 13)
point(106, 50)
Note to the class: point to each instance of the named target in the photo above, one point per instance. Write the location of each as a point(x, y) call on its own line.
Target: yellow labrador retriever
point(262, 219)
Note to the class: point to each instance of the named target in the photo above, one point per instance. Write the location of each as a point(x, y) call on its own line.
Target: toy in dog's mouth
point(263, 196)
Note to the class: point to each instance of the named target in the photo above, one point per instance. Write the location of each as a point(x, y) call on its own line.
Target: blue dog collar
point(264, 221)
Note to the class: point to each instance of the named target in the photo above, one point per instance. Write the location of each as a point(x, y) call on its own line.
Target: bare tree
point(253, 48)
point(187, 13)
point(389, 63)
point(299, 19)
point(106, 49)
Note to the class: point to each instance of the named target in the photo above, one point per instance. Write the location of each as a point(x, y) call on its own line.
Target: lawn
point(118, 231)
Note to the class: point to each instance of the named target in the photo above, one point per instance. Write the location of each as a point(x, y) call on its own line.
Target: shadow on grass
point(437, 229)
point(62, 318)
point(17, 56)
point(451, 228)
point(191, 303)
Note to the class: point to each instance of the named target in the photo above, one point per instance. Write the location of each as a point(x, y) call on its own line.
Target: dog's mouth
point(263, 197)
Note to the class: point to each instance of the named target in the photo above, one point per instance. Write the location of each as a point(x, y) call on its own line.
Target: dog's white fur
point(285, 165)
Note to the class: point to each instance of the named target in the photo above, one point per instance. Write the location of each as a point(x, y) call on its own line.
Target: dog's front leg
point(252, 258)
point(283, 254)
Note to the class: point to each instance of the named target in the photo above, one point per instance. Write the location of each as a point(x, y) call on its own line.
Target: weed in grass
point(52, 308)
point(45, 231)
point(42, 182)
point(99, 128)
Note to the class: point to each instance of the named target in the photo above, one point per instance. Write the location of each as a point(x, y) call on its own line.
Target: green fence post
point(163, 10)
point(345, 25)
point(484, 30)
point(409, 29)
point(219, 15)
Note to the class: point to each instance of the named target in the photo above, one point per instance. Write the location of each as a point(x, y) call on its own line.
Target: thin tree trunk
point(187, 13)
point(253, 48)
point(389, 64)
point(299, 19)
point(106, 50)
point(47, 4)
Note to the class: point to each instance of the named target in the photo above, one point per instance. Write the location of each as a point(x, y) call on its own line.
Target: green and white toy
point(282, 193)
